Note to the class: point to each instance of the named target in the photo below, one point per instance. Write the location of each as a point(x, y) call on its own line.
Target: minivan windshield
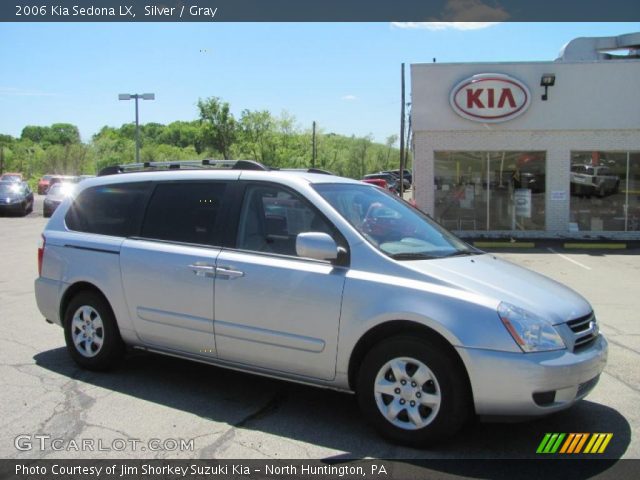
point(390, 224)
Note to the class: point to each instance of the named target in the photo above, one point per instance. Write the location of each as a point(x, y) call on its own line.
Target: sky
point(345, 76)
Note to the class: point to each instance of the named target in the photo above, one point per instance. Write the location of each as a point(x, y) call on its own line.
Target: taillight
point(41, 245)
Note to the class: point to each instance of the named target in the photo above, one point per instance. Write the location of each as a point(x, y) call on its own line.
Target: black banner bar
point(580, 468)
point(318, 11)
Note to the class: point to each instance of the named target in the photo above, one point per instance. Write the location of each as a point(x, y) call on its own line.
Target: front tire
point(91, 332)
point(413, 391)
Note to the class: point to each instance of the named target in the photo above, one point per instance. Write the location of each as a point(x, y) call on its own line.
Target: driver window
point(271, 218)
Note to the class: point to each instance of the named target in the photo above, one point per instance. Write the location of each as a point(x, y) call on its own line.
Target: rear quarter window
point(114, 210)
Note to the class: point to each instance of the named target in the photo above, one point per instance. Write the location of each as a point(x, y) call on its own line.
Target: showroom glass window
point(490, 190)
point(605, 191)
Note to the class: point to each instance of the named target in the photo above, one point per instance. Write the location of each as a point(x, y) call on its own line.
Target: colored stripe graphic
point(598, 443)
point(573, 443)
point(567, 443)
point(550, 443)
point(543, 443)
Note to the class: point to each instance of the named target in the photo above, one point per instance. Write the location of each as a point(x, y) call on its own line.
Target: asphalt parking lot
point(233, 415)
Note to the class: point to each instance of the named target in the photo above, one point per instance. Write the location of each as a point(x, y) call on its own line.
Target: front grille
point(586, 387)
point(585, 331)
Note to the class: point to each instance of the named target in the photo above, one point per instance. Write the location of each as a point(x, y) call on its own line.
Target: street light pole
point(136, 96)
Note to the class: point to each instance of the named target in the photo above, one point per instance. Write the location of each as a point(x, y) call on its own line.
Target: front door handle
point(228, 272)
point(203, 270)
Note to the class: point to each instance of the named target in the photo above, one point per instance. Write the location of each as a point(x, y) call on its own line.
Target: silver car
point(316, 279)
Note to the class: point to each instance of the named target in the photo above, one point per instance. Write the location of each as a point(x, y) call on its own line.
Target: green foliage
point(56, 134)
point(220, 128)
point(276, 141)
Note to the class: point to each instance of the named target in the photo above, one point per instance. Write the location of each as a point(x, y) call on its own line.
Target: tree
point(62, 134)
point(34, 133)
point(258, 131)
point(220, 127)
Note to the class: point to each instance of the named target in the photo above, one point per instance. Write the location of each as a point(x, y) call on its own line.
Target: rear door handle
point(203, 270)
point(228, 272)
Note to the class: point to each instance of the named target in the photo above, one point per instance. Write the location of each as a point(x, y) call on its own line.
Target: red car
point(44, 183)
point(378, 182)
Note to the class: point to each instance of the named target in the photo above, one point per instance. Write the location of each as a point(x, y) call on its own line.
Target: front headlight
point(531, 332)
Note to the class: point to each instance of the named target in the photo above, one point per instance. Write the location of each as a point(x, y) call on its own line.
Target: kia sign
point(490, 98)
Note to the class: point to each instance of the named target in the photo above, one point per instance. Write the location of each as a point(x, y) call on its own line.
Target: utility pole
point(1, 159)
point(313, 147)
point(402, 130)
point(407, 148)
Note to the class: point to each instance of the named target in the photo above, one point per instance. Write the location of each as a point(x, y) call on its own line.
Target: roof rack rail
point(307, 170)
point(321, 171)
point(182, 164)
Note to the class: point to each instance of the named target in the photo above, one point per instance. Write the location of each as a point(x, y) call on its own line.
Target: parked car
point(15, 197)
point(392, 181)
point(11, 177)
point(378, 182)
point(317, 279)
point(43, 184)
point(407, 174)
point(406, 182)
point(55, 195)
point(62, 178)
point(593, 180)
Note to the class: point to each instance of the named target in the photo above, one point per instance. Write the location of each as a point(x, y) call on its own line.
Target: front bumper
point(49, 207)
point(504, 383)
point(13, 207)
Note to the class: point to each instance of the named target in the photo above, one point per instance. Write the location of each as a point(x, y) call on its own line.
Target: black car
point(406, 181)
point(16, 197)
point(55, 195)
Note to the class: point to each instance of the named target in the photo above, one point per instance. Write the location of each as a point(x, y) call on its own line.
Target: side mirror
point(316, 245)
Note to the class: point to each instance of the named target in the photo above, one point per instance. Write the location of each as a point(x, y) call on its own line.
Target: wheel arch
point(73, 290)
point(391, 328)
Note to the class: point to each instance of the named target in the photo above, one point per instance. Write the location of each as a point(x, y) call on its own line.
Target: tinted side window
point(184, 212)
point(271, 219)
point(108, 209)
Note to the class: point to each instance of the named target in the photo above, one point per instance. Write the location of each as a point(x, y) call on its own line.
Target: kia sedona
point(315, 279)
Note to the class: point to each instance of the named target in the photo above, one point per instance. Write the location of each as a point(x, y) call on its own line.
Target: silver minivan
point(316, 279)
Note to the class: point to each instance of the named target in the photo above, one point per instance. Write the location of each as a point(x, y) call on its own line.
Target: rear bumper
point(47, 297)
point(532, 384)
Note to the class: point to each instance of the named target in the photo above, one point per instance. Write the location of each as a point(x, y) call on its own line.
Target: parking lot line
point(569, 259)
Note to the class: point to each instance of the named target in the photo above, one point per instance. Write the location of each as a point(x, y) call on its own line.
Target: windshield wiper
point(412, 256)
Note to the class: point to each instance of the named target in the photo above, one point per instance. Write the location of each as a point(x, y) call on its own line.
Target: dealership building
point(532, 149)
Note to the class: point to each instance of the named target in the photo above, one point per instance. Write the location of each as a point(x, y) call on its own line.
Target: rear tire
point(430, 400)
point(91, 332)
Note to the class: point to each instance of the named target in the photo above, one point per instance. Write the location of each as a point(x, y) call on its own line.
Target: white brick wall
point(558, 144)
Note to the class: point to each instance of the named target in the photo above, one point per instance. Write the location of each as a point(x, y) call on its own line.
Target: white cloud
point(349, 98)
point(465, 14)
point(445, 25)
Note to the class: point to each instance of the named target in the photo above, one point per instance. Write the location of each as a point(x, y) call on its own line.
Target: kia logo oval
point(490, 98)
